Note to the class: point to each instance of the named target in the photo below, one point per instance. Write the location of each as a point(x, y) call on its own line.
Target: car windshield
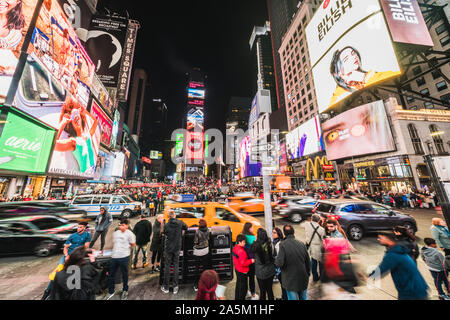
point(49, 223)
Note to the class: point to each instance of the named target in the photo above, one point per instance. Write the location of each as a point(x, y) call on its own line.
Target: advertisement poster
point(359, 131)
point(55, 44)
point(246, 168)
point(195, 119)
point(104, 44)
point(101, 93)
point(196, 94)
point(344, 40)
point(25, 144)
point(104, 122)
point(194, 146)
point(79, 14)
point(13, 32)
point(304, 140)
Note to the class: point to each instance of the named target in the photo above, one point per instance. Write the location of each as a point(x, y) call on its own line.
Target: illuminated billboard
point(304, 140)
point(350, 49)
point(247, 169)
point(359, 131)
point(195, 119)
point(196, 93)
point(105, 123)
point(194, 145)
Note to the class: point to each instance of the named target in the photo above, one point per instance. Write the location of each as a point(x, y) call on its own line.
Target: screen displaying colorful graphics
point(56, 45)
point(406, 23)
point(18, 15)
point(246, 168)
point(359, 131)
point(25, 144)
point(101, 93)
point(196, 85)
point(179, 144)
point(254, 111)
point(282, 152)
point(115, 128)
point(194, 145)
point(196, 102)
point(196, 94)
point(195, 120)
point(304, 140)
point(104, 122)
point(118, 165)
point(344, 41)
point(103, 169)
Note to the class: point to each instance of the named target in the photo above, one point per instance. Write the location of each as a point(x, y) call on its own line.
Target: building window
point(308, 87)
point(436, 73)
point(438, 143)
point(310, 97)
point(442, 28)
point(415, 139)
point(445, 41)
point(441, 85)
point(425, 92)
point(420, 81)
point(311, 107)
point(303, 92)
point(417, 70)
point(446, 98)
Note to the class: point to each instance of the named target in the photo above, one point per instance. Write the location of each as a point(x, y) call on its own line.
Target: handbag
point(201, 252)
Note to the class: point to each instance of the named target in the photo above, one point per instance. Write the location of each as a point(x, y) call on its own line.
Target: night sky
point(210, 34)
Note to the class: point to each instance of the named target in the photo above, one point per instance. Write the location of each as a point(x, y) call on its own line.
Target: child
point(435, 263)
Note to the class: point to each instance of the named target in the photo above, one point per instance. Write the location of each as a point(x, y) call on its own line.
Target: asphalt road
point(26, 277)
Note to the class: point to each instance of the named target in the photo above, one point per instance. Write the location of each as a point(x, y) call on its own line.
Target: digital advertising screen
point(304, 140)
point(195, 119)
point(196, 93)
point(350, 49)
point(105, 123)
point(18, 15)
point(118, 164)
point(56, 45)
point(194, 145)
point(246, 168)
point(358, 131)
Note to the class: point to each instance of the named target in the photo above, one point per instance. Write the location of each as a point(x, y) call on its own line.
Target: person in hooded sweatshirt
point(435, 263)
point(201, 249)
point(407, 279)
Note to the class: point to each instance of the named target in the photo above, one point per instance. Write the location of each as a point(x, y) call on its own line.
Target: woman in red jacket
point(241, 264)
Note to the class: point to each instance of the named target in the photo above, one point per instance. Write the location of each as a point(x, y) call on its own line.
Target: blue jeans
point(292, 295)
point(314, 265)
point(121, 263)
point(144, 253)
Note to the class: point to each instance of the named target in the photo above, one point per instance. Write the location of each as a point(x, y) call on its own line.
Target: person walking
point(143, 232)
point(314, 236)
point(102, 223)
point(201, 249)
point(405, 238)
point(172, 244)
point(156, 246)
point(241, 265)
point(249, 239)
point(124, 240)
point(264, 264)
point(407, 279)
point(295, 264)
point(435, 262)
point(441, 235)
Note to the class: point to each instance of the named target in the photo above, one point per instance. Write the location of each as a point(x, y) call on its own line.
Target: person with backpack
point(143, 232)
point(264, 264)
point(201, 249)
point(314, 236)
point(241, 264)
point(435, 262)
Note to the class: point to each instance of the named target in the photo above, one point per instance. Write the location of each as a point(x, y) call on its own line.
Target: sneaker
point(145, 264)
point(164, 289)
point(133, 266)
point(175, 290)
point(255, 297)
point(124, 295)
point(249, 295)
point(108, 296)
point(195, 288)
point(157, 269)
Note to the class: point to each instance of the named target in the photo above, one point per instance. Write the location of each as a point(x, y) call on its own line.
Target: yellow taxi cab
point(215, 214)
point(248, 205)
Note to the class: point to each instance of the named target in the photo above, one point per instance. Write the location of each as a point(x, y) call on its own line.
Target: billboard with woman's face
point(359, 131)
point(350, 49)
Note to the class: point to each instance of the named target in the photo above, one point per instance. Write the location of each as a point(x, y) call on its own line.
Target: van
point(118, 205)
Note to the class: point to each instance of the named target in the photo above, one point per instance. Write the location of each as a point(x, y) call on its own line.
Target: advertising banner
point(101, 93)
point(13, 33)
point(195, 119)
point(115, 129)
point(127, 61)
point(25, 144)
point(55, 44)
point(359, 131)
point(104, 44)
point(118, 165)
point(104, 122)
point(344, 42)
point(194, 145)
point(246, 168)
point(282, 154)
point(196, 93)
point(406, 23)
point(283, 183)
point(79, 14)
point(254, 111)
point(304, 140)
point(103, 168)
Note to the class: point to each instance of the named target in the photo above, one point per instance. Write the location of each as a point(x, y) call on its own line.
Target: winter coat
point(201, 238)
point(264, 262)
point(413, 248)
point(240, 259)
point(173, 231)
point(249, 239)
point(315, 248)
point(143, 232)
point(103, 224)
point(157, 237)
point(440, 236)
point(407, 278)
point(294, 262)
point(433, 259)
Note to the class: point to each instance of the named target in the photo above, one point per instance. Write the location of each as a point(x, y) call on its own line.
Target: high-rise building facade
point(136, 101)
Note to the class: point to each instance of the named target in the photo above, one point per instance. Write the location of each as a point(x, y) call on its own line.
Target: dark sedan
point(358, 217)
point(55, 208)
point(295, 208)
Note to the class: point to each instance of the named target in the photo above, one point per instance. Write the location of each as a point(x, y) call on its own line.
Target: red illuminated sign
point(196, 102)
point(146, 160)
point(194, 145)
point(196, 85)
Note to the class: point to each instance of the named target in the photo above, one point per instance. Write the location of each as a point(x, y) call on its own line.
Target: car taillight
point(335, 217)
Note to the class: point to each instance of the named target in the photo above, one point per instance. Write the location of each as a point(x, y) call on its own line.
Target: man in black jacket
point(295, 264)
point(143, 232)
point(173, 230)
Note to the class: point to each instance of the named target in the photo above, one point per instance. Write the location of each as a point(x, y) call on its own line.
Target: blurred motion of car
point(358, 217)
point(48, 207)
point(248, 205)
point(119, 205)
point(40, 235)
point(295, 208)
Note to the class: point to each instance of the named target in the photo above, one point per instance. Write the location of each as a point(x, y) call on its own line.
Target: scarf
point(445, 230)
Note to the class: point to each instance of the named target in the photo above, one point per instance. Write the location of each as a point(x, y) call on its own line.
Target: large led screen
point(105, 123)
point(359, 131)
point(43, 97)
point(194, 145)
point(17, 17)
point(246, 168)
point(195, 119)
point(304, 140)
point(350, 49)
point(196, 94)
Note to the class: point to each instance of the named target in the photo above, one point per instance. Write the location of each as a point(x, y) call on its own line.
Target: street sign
point(269, 159)
point(263, 147)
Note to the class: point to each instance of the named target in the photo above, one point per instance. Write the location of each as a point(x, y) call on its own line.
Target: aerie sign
point(24, 144)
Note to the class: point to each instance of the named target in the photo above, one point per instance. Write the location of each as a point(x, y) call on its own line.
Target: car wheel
point(44, 248)
point(410, 227)
point(355, 232)
point(296, 217)
point(125, 214)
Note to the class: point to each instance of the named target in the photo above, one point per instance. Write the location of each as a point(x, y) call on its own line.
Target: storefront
point(314, 171)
